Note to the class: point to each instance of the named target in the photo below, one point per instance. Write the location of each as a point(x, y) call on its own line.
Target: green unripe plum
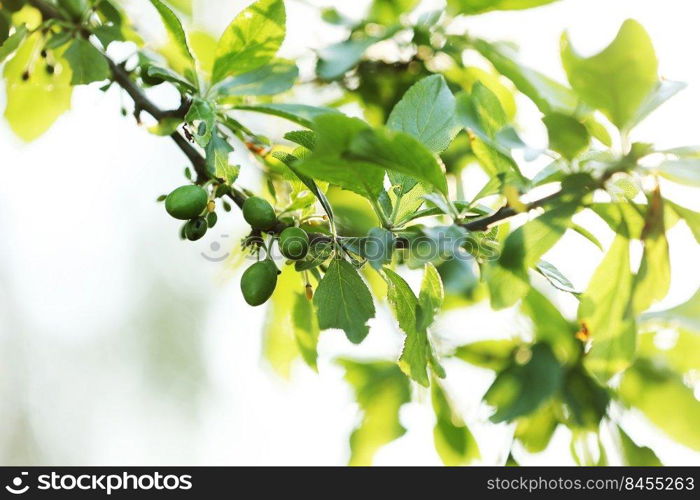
point(186, 202)
point(259, 213)
point(74, 8)
point(294, 243)
point(258, 282)
point(195, 229)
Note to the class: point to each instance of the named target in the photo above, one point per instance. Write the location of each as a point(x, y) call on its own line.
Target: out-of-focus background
point(121, 344)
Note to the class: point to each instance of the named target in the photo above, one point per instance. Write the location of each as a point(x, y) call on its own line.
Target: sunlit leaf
point(87, 63)
point(521, 389)
point(34, 103)
point(381, 390)
point(251, 40)
point(551, 327)
point(664, 399)
point(270, 79)
point(686, 315)
point(618, 80)
point(302, 114)
point(427, 112)
point(674, 348)
point(183, 58)
point(635, 455)
point(605, 310)
point(417, 354)
point(492, 354)
point(479, 6)
point(306, 329)
point(653, 279)
point(535, 431)
point(454, 441)
point(567, 135)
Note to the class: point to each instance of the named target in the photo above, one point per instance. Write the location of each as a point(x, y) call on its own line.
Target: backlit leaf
point(343, 301)
point(251, 40)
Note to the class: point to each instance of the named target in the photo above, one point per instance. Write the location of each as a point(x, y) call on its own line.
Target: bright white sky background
point(120, 344)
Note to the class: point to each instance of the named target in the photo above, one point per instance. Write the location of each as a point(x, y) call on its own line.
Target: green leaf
point(427, 112)
point(551, 327)
point(403, 301)
point(622, 217)
point(635, 455)
point(337, 59)
point(435, 244)
point(399, 152)
point(165, 127)
point(663, 92)
point(329, 161)
point(491, 354)
point(653, 279)
point(685, 172)
point(343, 301)
point(535, 431)
point(388, 11)
point(251, 40)
point(202, 117)
point(521, 389)
point(280, 346)
point(482, 114)
point(585, 400)
point(86, 62)
point(305, 138)
point(664, 399)
point(381, 390)
point(306, 329)
point(290, 161)
point(506, 286)
point(618, 80)
point(690, 217)
point(675, 355)
point(454, 441)
point(12, 43)
point(273, 78)
point(480, 6)
point(588, 235)
point(418, 352)
point(217, 160)
point(686, 315)
point(379, 247)
point(548, 95)
point(567, 135)
point(605, 310)
point(169, 76)
point(302, 114)
point(555, 277)
point(176, 34)
point(492, 118)
point(184, 6)
point(430, 298)
point(526, 245)
point(33, 105)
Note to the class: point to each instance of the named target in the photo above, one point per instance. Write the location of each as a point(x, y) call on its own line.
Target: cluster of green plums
point(259, 280)
point(191, 203)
